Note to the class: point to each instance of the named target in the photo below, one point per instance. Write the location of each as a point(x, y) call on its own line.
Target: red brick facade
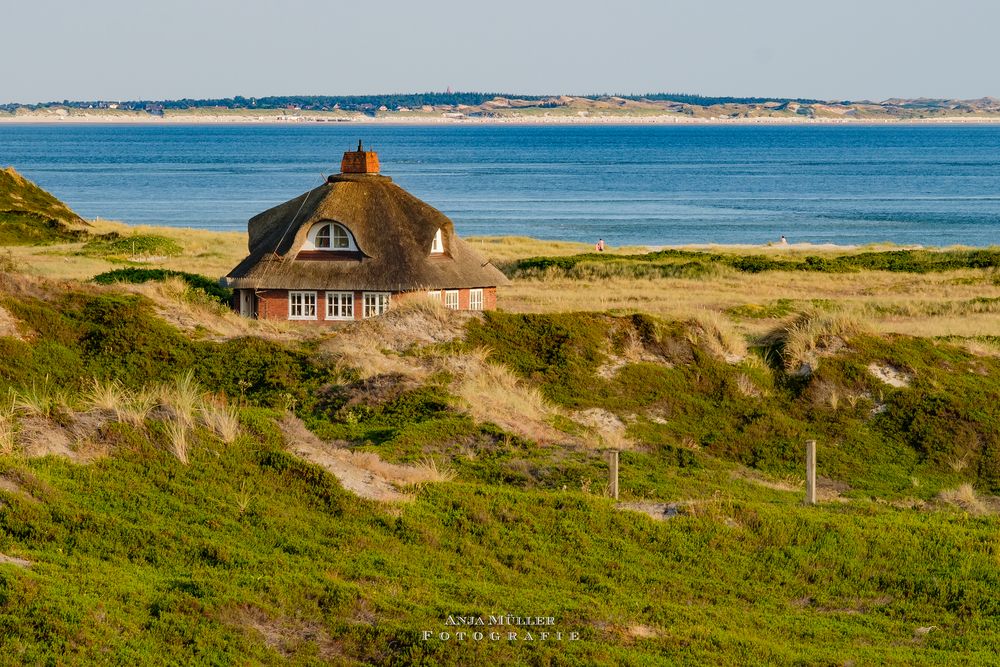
point(274, 304)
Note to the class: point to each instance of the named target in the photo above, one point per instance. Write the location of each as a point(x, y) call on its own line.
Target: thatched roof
point(393, 231)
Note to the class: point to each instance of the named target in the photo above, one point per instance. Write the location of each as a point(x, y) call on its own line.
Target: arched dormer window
point(437, 245)
point(329, 236)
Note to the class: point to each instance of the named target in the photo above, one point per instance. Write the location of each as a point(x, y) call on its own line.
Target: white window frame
point(342, 301)
point(334, 227)
point(434, 295)
point(451, 299)
point(437, 245)
point(306, 303)
point(375, 303)
point(476, 298)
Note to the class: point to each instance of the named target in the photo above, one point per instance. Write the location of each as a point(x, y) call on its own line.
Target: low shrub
point(136, 275)
point(693, 264)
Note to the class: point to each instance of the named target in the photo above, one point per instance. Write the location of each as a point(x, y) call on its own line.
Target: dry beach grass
point(949, 303)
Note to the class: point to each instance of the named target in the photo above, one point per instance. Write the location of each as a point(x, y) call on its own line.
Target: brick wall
point(273, 304)
point(359, 162)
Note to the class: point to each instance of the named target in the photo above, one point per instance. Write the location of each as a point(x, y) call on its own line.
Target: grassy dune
point(953, 293)
point(174, 480)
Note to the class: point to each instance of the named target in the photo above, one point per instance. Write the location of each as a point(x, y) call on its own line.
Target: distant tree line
point(371, 103)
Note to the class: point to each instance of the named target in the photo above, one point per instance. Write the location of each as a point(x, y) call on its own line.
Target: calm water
point(641, 185)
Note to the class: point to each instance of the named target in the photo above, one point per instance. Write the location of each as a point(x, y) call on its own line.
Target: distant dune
point(563, 109)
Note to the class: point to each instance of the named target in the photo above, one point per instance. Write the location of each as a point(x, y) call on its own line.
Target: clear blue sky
point(841, 49)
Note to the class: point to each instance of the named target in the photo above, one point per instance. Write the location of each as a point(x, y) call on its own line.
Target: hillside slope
point(153, 507)
point(30, 215)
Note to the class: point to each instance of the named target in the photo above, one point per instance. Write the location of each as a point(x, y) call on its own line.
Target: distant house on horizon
point(349, 248)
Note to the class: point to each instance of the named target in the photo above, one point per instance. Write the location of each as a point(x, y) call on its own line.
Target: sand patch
point(642, 632)
point(42, 437)
point(363, 473)
point(656, 511)
point(39, 436)
point(891, 375)
point(10, 486)
point(826, 489)
point(608, 429)
point(287, 636)
point(11, 560)
point(759, 479)
point(8, 325)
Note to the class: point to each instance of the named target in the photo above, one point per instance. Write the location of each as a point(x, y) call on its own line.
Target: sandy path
point(361, 473)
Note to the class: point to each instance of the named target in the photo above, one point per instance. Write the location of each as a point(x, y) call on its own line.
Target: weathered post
point(613, 473)
point(810, 472)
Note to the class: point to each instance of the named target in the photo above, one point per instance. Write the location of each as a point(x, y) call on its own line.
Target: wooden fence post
point(613, 473)
point(810, 472)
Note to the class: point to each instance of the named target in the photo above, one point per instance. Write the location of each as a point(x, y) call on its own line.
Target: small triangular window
point(437, 245)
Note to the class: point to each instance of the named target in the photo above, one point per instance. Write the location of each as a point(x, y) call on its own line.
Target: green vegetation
point(31, 216)
point(247, 553)
point(134, 275)
point(19, 228)
point(676, 394)
point(688, 263)
point(115, 337)
point(114, 245)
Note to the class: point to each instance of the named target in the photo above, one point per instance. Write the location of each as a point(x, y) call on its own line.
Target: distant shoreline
point(319, 120)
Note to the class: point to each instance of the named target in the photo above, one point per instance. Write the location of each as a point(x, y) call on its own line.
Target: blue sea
point(930, 185)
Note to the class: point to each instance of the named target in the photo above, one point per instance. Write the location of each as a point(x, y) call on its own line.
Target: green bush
point(114, 336)
point(136, 275)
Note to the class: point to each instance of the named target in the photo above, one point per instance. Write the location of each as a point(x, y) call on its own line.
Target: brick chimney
point(359, 162)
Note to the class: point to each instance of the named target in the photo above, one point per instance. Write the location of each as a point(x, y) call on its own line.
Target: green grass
point(28, 228)
point(194, 280)
point(116, 337)
point(875, 437)
point(688, 263)
point(19, 195)
point(31, 216)
point(142, 560)
point(113, 245)
point(139, 559)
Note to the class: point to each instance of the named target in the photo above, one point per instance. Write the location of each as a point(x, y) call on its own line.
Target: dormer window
point(437, 245)
point(330, 236)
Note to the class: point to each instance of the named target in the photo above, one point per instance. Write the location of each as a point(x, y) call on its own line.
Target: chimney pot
point(359, 161)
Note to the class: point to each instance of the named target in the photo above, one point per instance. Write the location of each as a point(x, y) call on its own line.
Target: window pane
point(340, 238)
point(375, 303)
point(340, 305)
point(302, 305)
point(323, 237)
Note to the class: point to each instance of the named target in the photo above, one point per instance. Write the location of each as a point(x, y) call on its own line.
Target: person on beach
point(600, 245)
point(784, 241)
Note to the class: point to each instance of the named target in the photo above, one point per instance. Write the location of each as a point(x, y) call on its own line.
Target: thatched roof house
point(345, 249)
